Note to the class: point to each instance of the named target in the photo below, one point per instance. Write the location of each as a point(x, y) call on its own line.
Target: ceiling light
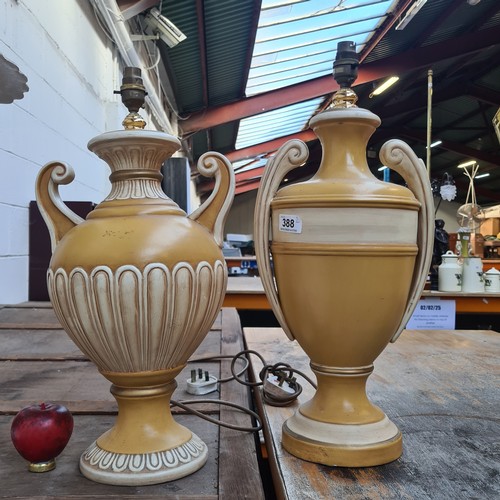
point(410, 14)
point(482, 175)
point(467, 164)
point(436, 143)
point(384, 86)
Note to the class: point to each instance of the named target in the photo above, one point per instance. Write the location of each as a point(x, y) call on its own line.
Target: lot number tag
point(290, 224)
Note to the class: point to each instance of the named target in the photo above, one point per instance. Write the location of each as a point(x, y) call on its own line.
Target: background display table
point(248, 293)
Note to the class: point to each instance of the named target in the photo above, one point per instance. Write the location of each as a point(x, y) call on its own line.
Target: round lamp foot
point(342, 445)
point(157, 467)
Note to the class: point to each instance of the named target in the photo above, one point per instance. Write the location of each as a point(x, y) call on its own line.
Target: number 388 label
point(290, 223)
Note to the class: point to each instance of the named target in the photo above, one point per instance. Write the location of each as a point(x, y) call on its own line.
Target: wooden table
point(441, 388)
point(248, 293)
point(38, 362)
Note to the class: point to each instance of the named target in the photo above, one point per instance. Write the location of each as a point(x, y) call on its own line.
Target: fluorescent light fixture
point(410, 14)
point(166, 29)
point(482, 175)
point(382, 168)
point(384, 86)
point(435, 143)
point(467, 164)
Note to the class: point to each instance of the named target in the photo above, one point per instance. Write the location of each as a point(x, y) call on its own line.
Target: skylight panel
point(276, 123)
point(296, 41)
point(294, 35)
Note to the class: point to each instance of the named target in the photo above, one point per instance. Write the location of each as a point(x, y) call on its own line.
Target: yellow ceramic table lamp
point(137, 286)
point(350, 255)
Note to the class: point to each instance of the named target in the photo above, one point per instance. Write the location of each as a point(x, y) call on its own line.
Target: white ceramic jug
point(472, 275)
point(492, 281)
point(450, 273)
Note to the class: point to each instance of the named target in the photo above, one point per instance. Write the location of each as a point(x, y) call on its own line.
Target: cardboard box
point(477, 245)
point(490, 226)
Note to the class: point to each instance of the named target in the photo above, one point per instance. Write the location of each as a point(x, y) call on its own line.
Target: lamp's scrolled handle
point(290, 156)
point(214, 211)
point(398, 156)
point(56, 214)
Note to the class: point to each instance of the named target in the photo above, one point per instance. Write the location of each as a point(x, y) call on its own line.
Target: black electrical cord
point(272, 393)
point(272, 380)
point(226, 356)
point(184, 405)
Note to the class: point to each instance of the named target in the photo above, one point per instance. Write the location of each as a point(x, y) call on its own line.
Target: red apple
point(40, 432)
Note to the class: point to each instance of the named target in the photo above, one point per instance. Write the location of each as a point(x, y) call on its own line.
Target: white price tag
point(290, 224)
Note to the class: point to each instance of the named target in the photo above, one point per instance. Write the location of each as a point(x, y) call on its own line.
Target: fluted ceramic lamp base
point(156, 467)
point(146, 445)
point(342, 445)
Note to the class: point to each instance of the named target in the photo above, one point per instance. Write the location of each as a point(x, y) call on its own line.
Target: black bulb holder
point(345, 66)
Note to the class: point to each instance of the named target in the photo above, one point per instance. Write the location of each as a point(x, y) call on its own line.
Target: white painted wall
point(72, 70)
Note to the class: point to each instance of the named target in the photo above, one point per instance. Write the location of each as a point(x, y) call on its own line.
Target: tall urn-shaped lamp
point(350, 255)
point(137, 286)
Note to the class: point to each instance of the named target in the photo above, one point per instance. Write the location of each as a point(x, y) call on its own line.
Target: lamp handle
point(56, 214)
point(398, 156)
point(288, 157)
point(214, 211)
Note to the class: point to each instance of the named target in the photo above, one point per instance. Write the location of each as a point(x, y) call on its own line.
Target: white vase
point(450, 273)
point(472, 275)
point(492, 281)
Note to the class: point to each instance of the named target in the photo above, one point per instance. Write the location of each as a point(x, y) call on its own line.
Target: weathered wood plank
point(32, 326)
point(438, 387)
point(52, 381)
point(52, 345)
point(30, 304)
point(66, 481)
point(41, 316)
point(37, 344)
point(239, 475)
point(76, 384)
point(217, 323)
point(30, 318)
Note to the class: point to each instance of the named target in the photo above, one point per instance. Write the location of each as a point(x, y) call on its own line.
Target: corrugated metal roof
point(295, 47)
point(187, 80)
point(228, 27)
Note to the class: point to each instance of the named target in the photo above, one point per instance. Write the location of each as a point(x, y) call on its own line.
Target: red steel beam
point(410, 60)
point(269, 146)
point(241, 179)
point(248, 186)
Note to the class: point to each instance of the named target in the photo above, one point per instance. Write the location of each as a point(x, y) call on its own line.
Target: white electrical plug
point(201, 382)
point(280, 390)
point(279, 386)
